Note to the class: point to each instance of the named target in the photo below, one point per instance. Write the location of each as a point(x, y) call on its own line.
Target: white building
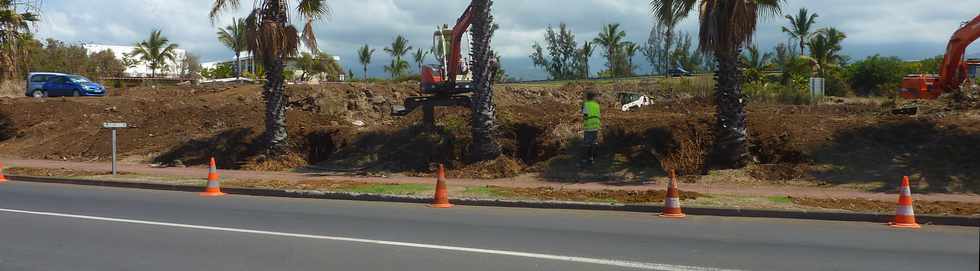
point(141, 69)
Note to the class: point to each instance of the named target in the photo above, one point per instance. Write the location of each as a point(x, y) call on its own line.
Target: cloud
point(909, 29)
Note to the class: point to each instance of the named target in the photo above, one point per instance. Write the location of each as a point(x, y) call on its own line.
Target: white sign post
point(114, 126)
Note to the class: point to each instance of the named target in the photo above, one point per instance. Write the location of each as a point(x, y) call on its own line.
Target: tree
point(876, 75)
point(585, 53)
point(629, 50)
point(273, 39)
point(156, 51)
point(399, 47)
point(190, 68)
point(800, 27)
point(756, 62)
point(16, 18)
point(419, 57)
point(825, 47)
point(562, 59)
point(483, 126)
point(233, 37)
point(364, 55)
point(668, 13)
point(104, 64)
point(654, 50)
point(726, 26)
point(611, 38)
point(685, 55)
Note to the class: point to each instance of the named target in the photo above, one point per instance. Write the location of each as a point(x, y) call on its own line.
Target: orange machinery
point(954, 70)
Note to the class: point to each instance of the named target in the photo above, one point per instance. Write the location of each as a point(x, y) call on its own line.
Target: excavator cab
point(435, 79)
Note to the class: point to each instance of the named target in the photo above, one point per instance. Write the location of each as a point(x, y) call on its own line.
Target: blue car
point(48, 84)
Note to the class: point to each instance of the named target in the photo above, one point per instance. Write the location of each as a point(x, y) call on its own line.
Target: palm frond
point(220, 5)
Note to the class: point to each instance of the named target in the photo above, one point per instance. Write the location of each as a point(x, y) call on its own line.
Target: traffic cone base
point(666, 215)
point(2, 178)
point(904, 225)
point(672, 201)
point(441, 197)
point(214, 188)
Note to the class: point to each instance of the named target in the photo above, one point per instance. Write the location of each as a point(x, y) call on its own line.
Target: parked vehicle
point(678, 72)
point(48, 84)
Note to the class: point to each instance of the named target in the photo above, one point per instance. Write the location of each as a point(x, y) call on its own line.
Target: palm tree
point(668, 13)
point(824, 48)
point(399, 47)
point(233, 37)
point(756, 61)
point(273, 39)
point(726, 26)
point(800, 26)
point(396, 68)
point(364, 55)
point(611, 38)
point(629, 50)
point(585, 53)
point(16, 18)
point(155, 51)
point(420, 57)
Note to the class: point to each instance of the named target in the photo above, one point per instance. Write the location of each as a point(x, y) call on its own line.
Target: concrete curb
point(972, 221)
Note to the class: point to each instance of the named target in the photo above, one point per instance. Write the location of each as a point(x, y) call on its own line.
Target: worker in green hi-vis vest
point(591, 124)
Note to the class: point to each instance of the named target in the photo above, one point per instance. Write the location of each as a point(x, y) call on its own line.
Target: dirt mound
point(347, 127)
point(865, 205)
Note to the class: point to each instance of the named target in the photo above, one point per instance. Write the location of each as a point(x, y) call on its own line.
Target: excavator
point(450, 82)
point(953, 71)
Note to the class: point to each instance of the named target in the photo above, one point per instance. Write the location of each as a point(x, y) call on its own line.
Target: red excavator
point(953, 72)
point(449, 82)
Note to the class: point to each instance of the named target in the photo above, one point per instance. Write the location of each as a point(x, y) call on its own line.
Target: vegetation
point(725, 27)
point(272, 39)
point(364, 56)
point(563, 60)
point(16, 18)
point(612, 39)
point(667, 14)
point(419, 57)
point(399, 47)
point(233, 37)
point(155, 52)
point(800, 27)
point(318, 65)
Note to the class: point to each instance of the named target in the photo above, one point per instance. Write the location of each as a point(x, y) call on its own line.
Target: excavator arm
point(953, 71)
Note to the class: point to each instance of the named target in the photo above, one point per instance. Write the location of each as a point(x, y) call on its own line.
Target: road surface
point(65, 227)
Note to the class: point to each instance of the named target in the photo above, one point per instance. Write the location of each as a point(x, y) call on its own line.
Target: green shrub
point(876, 75)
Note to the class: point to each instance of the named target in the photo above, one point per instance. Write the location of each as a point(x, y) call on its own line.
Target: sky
point(909, 29)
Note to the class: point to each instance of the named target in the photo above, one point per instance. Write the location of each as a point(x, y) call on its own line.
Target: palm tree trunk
point(483, 119)
point(365, 72)
point(669, 34)
point(275, 109)
point(731, 132)
point(238, 65)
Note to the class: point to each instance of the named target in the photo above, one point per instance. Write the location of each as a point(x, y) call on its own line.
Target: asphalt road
point(65, 227)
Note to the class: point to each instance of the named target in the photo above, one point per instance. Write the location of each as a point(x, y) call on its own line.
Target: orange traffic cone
point(2, 178)
point(214, 188)
point(672, 204)
point(441, 199)
point(904, 216)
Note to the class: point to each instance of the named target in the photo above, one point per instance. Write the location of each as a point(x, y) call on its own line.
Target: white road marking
point(607, 262)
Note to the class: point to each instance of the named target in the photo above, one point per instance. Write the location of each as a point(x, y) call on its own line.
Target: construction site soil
point(347, 128)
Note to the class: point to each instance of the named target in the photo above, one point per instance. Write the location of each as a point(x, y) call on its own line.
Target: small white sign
point(114, 125)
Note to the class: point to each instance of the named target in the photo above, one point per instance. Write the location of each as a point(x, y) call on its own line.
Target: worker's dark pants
point(590, 141)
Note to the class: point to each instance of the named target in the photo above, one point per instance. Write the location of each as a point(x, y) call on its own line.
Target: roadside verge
point(973, 221)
